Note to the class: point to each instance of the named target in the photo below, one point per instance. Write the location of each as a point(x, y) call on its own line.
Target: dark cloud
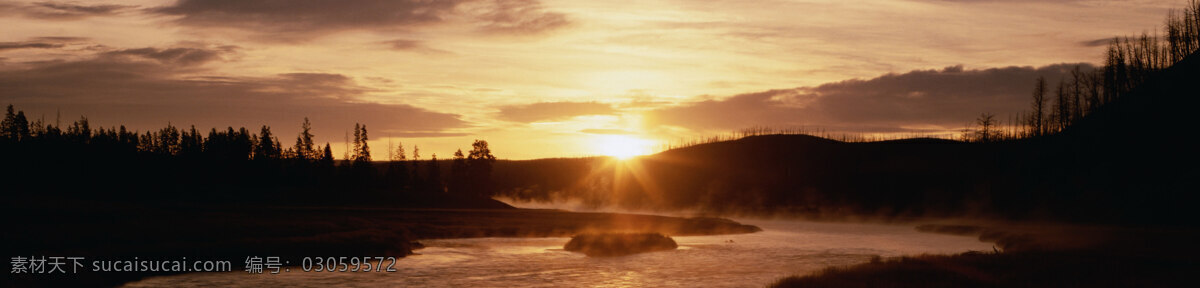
point(737, 112)
point(547, 111)
point(41, 43)
point(413, 46)
point(23, 45)
point(146, 88)
point(1097, 42)
point(61, 11)
point(308, 17)
point(946, 98)
point(301, 20)
point(62, 39)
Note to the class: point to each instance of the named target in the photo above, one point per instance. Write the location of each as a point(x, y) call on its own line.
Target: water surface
point(784, 248)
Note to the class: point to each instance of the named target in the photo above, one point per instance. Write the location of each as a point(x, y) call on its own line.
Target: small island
point(619, 244)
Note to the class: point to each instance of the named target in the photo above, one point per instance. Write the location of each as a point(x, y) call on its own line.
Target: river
point(748, 260)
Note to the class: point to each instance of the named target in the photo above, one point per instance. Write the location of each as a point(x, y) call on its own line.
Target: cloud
point(62, 39)
point(1097, 42)
point(178, 56)
point(418, 134)
point(148, 87)
point(548, 111)
point(607, 131)
point(404, 44)
point(946, 98)
point(41, 43)
point(302, 20)
point(307, 17)
point(519, 17)
point(22, 45)
point(413, 46)
point(62, 11)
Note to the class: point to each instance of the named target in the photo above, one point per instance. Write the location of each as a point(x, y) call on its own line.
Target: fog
point(784, 248)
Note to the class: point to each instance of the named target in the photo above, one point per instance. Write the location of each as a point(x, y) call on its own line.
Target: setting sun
point(622, 146)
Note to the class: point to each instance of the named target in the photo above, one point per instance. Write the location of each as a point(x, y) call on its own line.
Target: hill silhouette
point(1128, 162)
point(1132, 157)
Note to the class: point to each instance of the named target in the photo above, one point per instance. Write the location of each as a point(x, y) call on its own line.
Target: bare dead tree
point(1077, 79)
point(1062, 108)
point(986, 123)
point(1037, 119)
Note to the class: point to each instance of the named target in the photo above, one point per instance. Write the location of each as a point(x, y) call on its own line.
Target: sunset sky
point(553, 78)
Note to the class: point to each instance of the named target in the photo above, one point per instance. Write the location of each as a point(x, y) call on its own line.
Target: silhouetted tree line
point(186, 164)
point(1129, 62)
point(761, 130)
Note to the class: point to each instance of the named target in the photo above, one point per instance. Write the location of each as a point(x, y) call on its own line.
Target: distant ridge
point(1117, 165)
point(776, 142)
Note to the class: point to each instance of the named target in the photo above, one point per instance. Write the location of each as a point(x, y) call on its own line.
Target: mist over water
point(577, 205)
point(747, 260)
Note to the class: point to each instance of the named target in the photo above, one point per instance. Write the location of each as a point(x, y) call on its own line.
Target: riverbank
point(1043, 255)
point(1088, 268)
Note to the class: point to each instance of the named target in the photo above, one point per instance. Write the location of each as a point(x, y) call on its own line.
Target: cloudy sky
point(546, 78)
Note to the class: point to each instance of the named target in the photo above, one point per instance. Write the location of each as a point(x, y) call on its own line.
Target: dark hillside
point(1129, 162)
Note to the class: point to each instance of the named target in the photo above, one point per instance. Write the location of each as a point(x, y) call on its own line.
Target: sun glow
point(622, 146)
